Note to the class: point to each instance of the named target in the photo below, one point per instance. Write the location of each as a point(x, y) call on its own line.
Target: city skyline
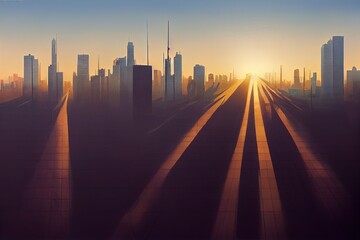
point(250, 40)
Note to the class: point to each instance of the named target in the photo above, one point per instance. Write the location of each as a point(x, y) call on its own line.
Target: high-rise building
point(130, 54)
point(120, 65)
point(128, 91)
point(297, 79)
point(142, 90)
point(199, 79)
point(338, 66)
point(104, 84)
point(95, 88)
point(332, 67)
point(178, 75)
point(82, 77)
point(353, 82)
point(169, 82)
point(53, 84)
point(59, 85)
point(211, 79)
point(326, 69)
point(313, 83)
point(114, 84)
point(157, 85)
point(54, 53)
point(31, 76)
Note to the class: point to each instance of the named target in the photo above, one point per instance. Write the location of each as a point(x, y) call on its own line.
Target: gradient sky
point(249, 36)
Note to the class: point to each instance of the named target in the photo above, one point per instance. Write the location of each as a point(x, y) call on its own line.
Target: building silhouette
point(169, 82)
point(95, 88)
point(332, 67)
point(211, 78)
point(128, 91)
point(178, 75)
point(52, 70)
point(297, 79)
point(31, 76)
point(157, 85)
point(142, 90)
point(313, 81)
point(130, 54)
point(82, 78)
point(59, 85)
point(114, 84)
point(55, 78)
point(353, 82)
point(199, 80)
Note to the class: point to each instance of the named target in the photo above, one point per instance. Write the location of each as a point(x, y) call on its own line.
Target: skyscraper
point(59, 85)
point(297, 79)
point(313, 83)
point(338, 66)
point(157, 85)
point(83, 76)
point(353, 82)
point(128, 91)
point(178, 75)
point(326, 69)
point(130, 54)
point(169, 81)
point(199, 79)
point(31, 76)
point(123, 80)
point(55, 78)
point(332, 67)
point(114, 84)
point(142, 90)
point(54, 54)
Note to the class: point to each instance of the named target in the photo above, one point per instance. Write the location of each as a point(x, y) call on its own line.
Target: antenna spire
point(168, 41)
point(147, 42)
point(98, 63)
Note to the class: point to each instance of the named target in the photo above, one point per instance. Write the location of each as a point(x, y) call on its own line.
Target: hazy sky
point(249, 36)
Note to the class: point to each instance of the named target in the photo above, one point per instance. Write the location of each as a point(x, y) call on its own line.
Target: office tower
point(297, 79)
point(114, 84)
point(104, 84)
point(59, 85)
point(157, 85)
point(127, 96)
point(211, 79)
point(191, 91)
point(142, 90)
point(332, 67)
point(169, 81)
point(52, 74)
point(54, 54)
point(199, 79)
point(95, 88)
point(326, 69)
point(83, 77)
point(338, 66)
point(75, 86)
point(353, 82)
point(120, 65)
point(31, 76)
point(313, 83)
point(130, 54)
point(178, 75)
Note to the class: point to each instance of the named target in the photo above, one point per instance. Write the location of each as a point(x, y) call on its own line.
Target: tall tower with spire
point(169, 80)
